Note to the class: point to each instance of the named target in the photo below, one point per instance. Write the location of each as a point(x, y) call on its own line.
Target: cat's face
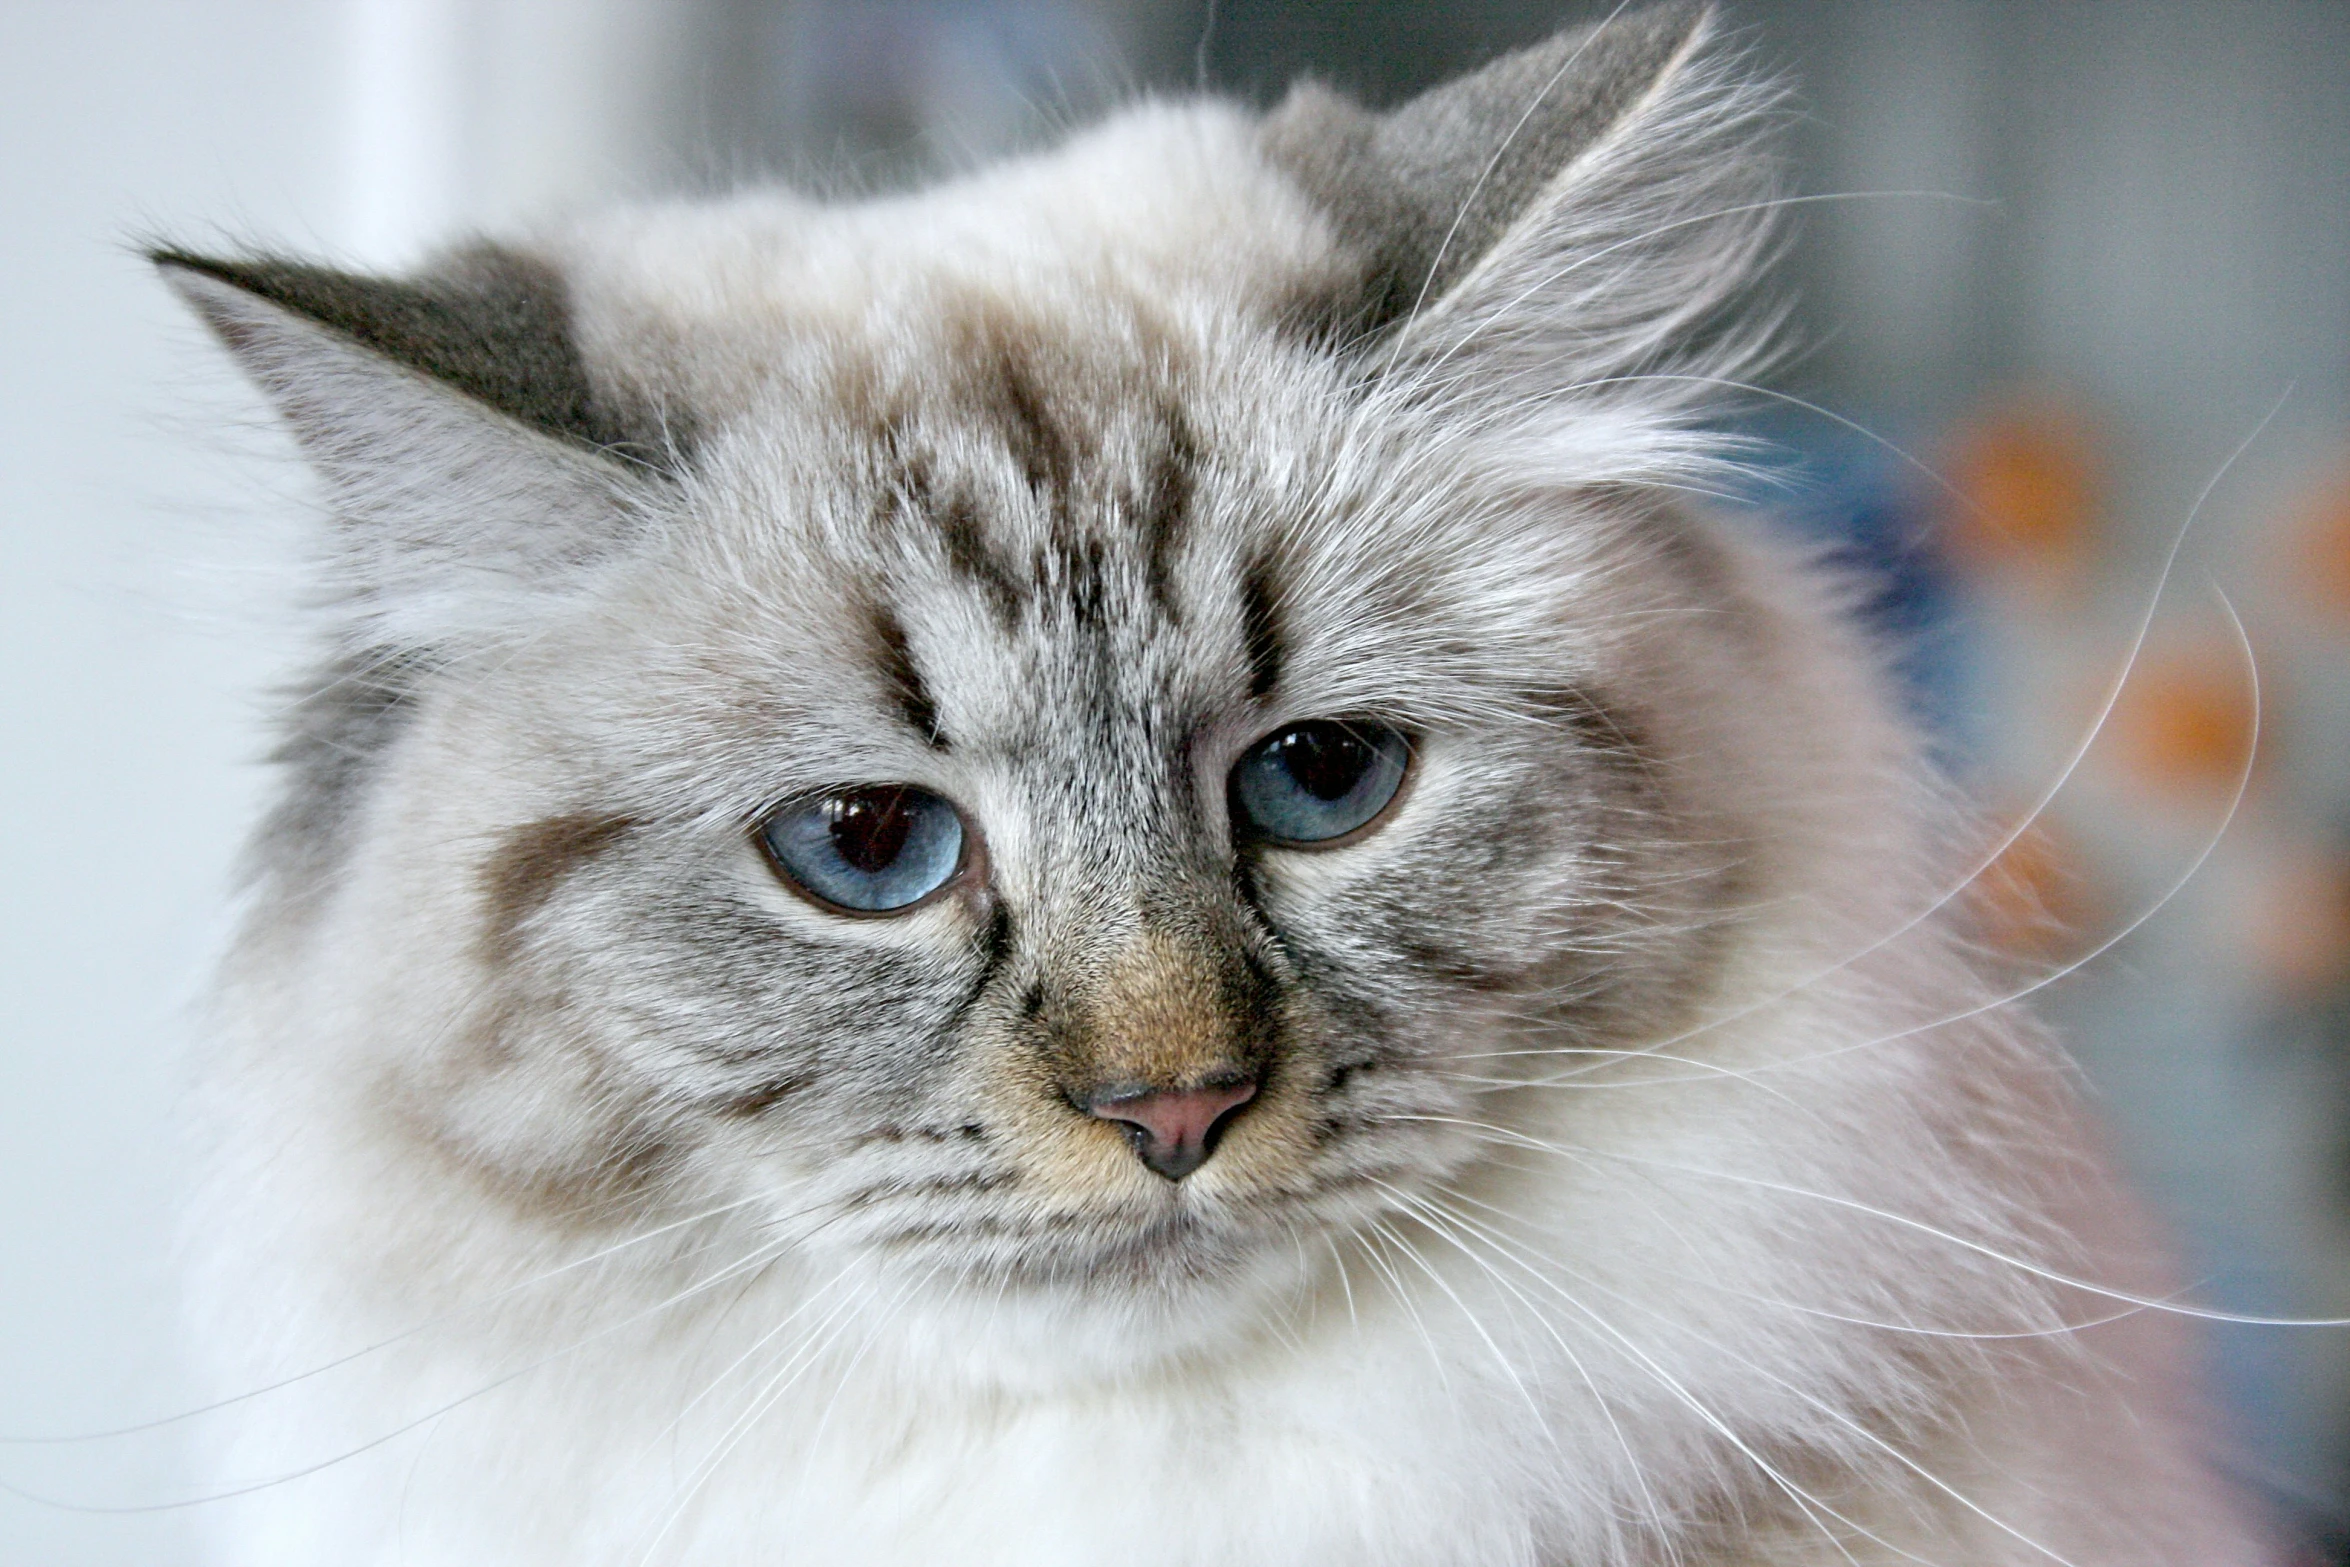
point(1091, 763)
point(1064, 581)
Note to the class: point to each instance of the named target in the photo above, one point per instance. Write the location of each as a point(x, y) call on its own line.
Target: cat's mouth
point(1125, 1194)
point(1176, 1236)
point(1060, 1240)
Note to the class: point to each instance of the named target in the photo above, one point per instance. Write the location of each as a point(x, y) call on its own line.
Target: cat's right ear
point(1572, 216)
point(471, 468)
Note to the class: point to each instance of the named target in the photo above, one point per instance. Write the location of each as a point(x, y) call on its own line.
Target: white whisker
point(1433, 1214)
point(756, 1259)
point(1803, 1499)
point(439, 1319)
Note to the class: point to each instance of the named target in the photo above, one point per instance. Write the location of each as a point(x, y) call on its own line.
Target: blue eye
point(874, 850)
point(1316, 782)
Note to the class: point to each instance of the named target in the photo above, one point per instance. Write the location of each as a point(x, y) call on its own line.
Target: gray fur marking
point(492, 323)
point(895, 655)
point(339, 722)
point(1395, 183)
point(1260, 628)
point(1166, 508)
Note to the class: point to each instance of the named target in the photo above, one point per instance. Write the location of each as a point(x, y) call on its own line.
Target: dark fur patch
point(895, 656)
point(1039, 444)
point(969, 553)
point(968, 1132)
point(762, 1097)
point(518, 878)
point(614, 1187)
point(995, 944)
point(916, 495)
point(1166, 508)
point(335, 729)
point(1081, 568)
point(1608, 730)
point(1007, 380)
point(492, 324)
point(1260, 627)
point(1395, 183)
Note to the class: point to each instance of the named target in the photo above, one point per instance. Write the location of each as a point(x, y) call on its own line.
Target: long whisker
point(1969, 1335)
point(1345, 1285)
point(2177, 885)
point(1905, 1221)
point(1658, 231)
point(425, 1326)
point(2064, 774)
point(882, 1319)
point(1433, 1217)
point(1403, 1298)
point(835, 1326)
point(1844, 1419)
point(758, 1257)
point(757, 1346)
point(1841, 1417)
point(1576, 1078)
point(806, 1354)
point(1803, 1499)
point(1477, 186)
point(1475, 1325)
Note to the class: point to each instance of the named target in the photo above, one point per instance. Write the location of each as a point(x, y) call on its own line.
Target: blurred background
point(2080, 271)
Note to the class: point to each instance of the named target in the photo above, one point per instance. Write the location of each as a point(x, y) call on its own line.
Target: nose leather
point(1173, 1130)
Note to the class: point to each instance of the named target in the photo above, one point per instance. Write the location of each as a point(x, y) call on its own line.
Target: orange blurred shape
point(2030, 472)
point(2034, 901)
point(2324, 538)
point(2300, 924)
point(2184, 722)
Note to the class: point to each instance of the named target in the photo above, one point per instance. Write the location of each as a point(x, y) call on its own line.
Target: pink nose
point(1173, 1130)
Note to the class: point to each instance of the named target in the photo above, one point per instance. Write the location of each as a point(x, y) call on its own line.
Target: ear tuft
point(490, 322)
point(471, 472)
point(1429, 188)
point(1572, 214)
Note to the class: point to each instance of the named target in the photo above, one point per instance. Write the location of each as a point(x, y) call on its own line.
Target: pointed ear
point(470, 465)
point(1578, 211)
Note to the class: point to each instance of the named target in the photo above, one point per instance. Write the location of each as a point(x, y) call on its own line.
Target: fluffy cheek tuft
point(529, 1114)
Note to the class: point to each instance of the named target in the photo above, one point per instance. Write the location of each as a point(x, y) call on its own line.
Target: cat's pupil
point(869, 827)
point(1326, 760)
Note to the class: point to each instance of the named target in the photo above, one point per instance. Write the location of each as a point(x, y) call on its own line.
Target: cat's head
point(1058, 731)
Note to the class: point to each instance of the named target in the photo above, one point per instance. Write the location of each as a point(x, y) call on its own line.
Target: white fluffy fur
point(1777, 1289)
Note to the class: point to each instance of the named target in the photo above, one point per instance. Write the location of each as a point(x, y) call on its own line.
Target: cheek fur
point(628, 1012)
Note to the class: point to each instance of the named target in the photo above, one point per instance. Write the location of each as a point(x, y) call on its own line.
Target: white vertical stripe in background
point(404, 125)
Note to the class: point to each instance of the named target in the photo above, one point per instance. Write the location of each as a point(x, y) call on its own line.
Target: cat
point(1109, 863)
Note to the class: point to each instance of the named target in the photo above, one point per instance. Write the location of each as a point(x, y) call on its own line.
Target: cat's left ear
point(1569, 216)
point(471, 466)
